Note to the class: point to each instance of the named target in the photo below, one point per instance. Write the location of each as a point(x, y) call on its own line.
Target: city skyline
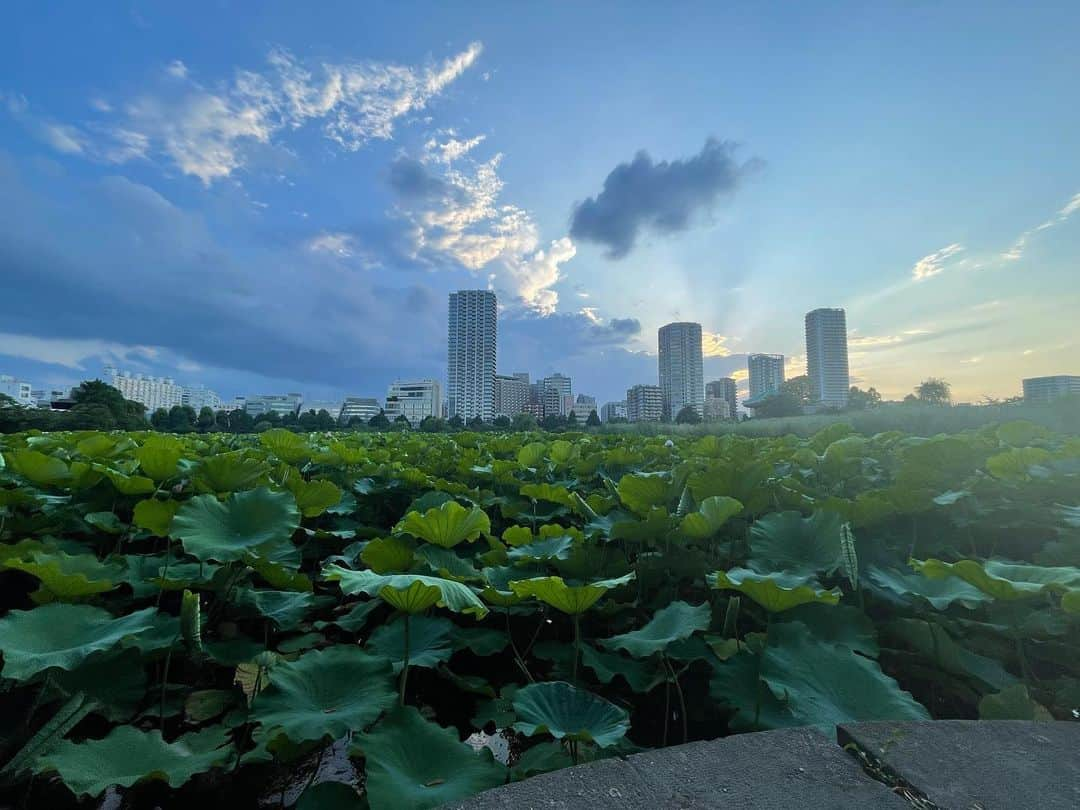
point(285, 207)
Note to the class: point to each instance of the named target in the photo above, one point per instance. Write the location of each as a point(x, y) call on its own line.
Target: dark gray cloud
point(616, 329)
point(411, 179)
point(663, 197)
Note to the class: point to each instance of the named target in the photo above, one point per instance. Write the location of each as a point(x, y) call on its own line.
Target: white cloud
point(177, 69)
point(713, 344)
point(450, 150)
point(206, 131)
point(468, 224)
point(336, 244)
point(1016, 250)
point(70, 352)
point(63, 138)
point(873, 341)
point(934, 263)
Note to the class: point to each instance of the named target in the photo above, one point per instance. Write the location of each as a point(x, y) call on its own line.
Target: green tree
point(379, 421)
point(934, 391)
point(781, 404)
point(571, 419)
point(456, 422)
point(476, 423)
point(182, 418)
point(523, 422)
point(206, 421)
point(553, 421)
point(402, 422)
point(798, 388)
point(593, 420)
point(688, 415)
point(90, 416)
point(159, 419)
point(324, 421)
point(241, 422)
point(859, 400)
point(126, 414)
point(501, 422)
point(432, 424)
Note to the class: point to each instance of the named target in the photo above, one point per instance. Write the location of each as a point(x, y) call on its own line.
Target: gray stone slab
point(788, 768)
point(603, 785)
point(979, 764)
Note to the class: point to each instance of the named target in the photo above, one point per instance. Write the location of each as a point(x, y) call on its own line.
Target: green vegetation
point(192, 617)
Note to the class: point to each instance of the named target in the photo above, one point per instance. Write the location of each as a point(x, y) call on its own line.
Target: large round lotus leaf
point(1013, 703)
point(939, 648)
point(37, 468)
point(155, 516)
point(286, 609)
point(65, 576)
point(642, 491)
point(1015, 463)
point(126, 484)
point(669, 624)
point(114, 680)
point(938, 592)
point(786, 541)
point(774, 592)
point(213, 530)
point(286, 445)
point(385, 555)
point(159, 456)
point(63, 636)
point(314, 497)
point(550, 493)
point(228, 472)
point(127, 756)
point(325, 694)
point(1004, 580)
point(429, 642)
point(736, 683)
point(710, 517)
point(566, 712)
point(825, 684)
point(572, 599)
point(531, 454)
point(445, 562)
point(549, 548)
point(446, 525)
point(413, 764)
point(839, 624)
point(412, 593)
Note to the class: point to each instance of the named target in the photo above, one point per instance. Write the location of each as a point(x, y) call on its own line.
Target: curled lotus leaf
point(677, 621)
point(412, 593)
point(1004, 580)
point(566, 712)
point(571, 599)
point(446, 525)
point(774, 592)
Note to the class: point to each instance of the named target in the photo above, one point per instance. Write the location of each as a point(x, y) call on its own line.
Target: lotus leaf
point(325, 694)
point(246, 521)
point(566, 712)
point(446, 525)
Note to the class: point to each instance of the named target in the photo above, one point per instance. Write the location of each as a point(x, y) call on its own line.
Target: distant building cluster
point(474, 388)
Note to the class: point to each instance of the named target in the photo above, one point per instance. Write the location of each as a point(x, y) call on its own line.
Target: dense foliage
point(205, 612)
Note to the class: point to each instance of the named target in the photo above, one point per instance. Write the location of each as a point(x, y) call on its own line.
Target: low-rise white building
point(613, 410)
point(644, 403)
point(358, 408)
point(413, 399)
point(151, 392)
point(19, 390)
point(281, 404)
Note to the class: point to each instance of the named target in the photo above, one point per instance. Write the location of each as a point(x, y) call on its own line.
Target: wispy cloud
point(207, 130)
point(70, 353)
point(341, 245)
point(714, 344)
point(456, 213)
point(449, 150)
point(1016, 250)
point(934, 263)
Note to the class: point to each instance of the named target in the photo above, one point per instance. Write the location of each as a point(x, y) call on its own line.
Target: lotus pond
point(192, 618)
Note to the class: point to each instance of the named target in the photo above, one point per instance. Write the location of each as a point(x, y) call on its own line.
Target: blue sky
point(281, 200)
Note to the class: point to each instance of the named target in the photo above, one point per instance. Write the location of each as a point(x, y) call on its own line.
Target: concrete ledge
point(999, 765)
point(967, 764)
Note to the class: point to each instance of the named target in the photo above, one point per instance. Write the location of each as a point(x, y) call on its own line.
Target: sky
point(281, 199)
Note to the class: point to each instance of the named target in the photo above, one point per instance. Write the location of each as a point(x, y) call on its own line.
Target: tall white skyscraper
point(681, 379)
point(766, 374)
point(470, 356)
point(827, 357)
